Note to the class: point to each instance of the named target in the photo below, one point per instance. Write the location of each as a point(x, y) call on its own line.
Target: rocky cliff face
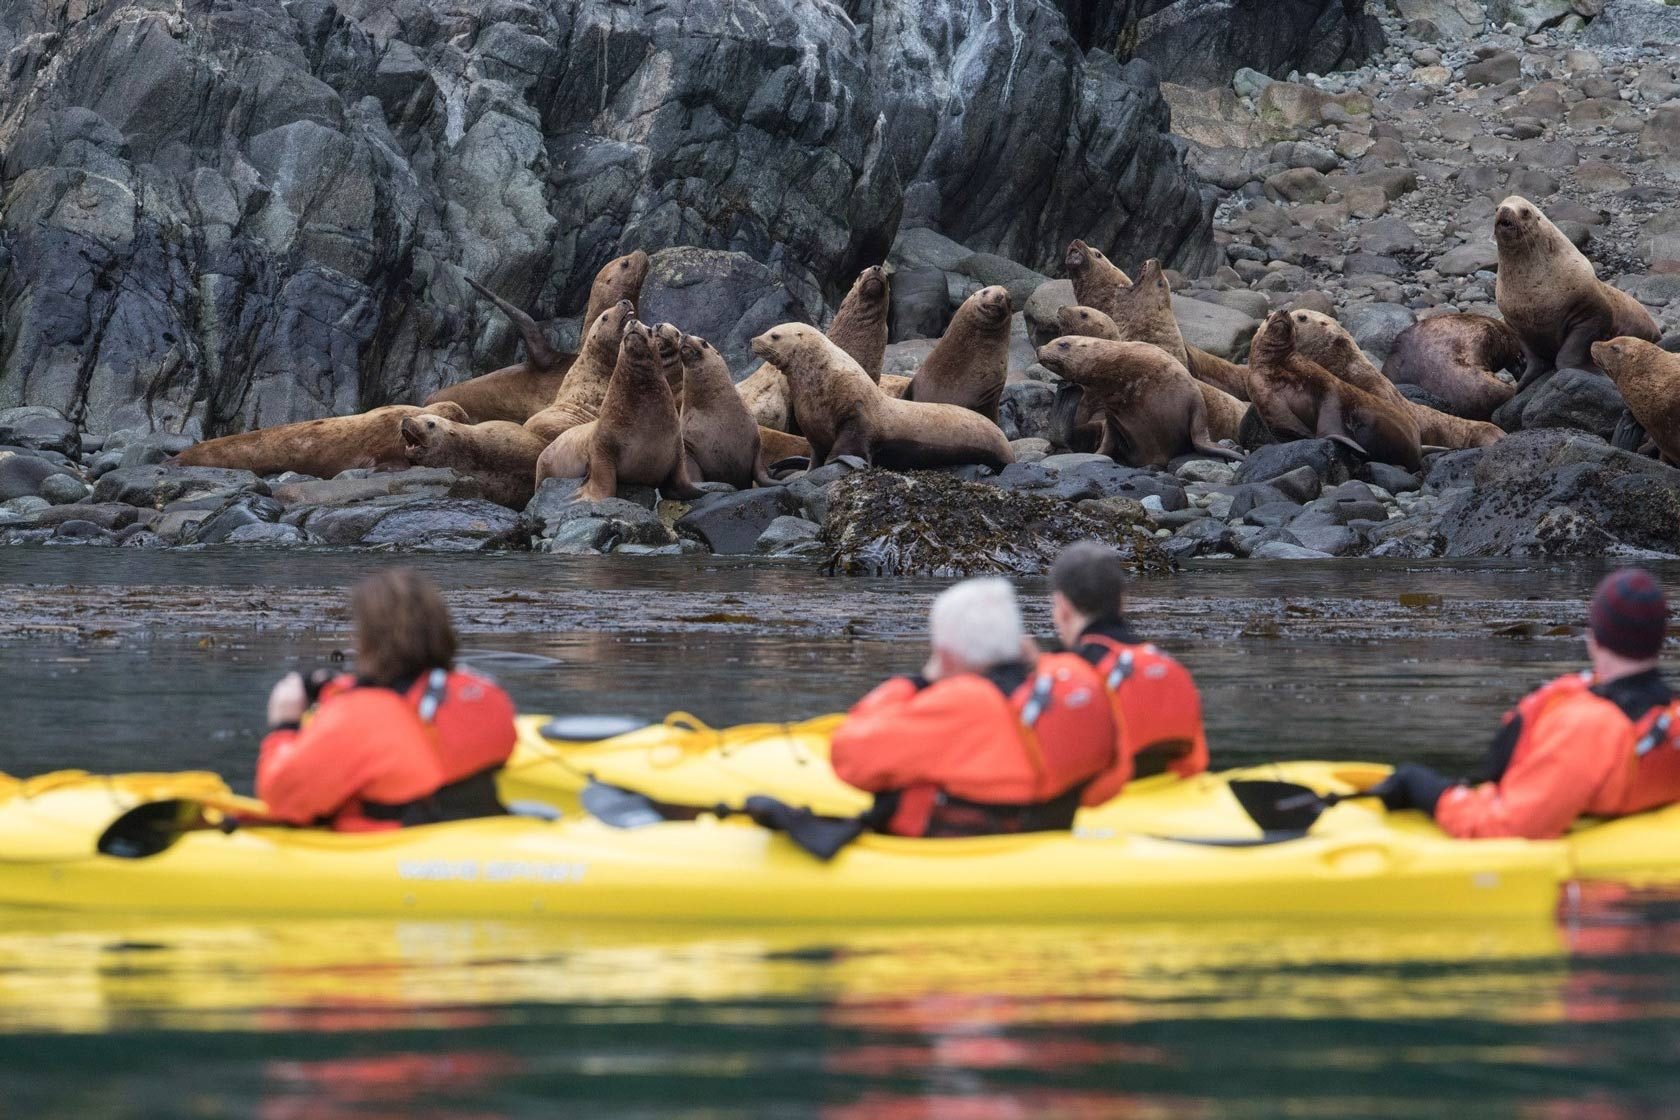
point(250, 213)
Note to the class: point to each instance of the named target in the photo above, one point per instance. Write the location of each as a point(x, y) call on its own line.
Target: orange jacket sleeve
point(1572, 750)
point(898, 735)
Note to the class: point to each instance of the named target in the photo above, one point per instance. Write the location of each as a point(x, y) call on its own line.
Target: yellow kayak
point(683, 762)
point(52, 830)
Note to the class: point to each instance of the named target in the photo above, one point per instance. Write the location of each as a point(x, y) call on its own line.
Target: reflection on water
point(1573, 1020)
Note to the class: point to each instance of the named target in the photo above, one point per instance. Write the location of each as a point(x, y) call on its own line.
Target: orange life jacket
point(961, 756)
point(1653, 778)
point(469, 719)
point(1573, 757)
point(1157, 714)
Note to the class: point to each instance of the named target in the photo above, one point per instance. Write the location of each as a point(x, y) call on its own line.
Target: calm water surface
point(107, 1018)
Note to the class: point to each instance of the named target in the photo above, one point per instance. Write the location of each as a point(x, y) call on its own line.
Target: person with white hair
point(992, 736)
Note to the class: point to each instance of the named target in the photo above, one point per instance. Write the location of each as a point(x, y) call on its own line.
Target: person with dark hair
point(1157, 711)
point(410, 739)
point(1599, 743)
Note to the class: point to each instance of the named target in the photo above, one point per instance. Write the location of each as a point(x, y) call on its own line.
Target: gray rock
point(1467, 259)
point(921, 304)
point(237, 514)
point(1302, 484)
point(81, 532)
point(1325, 458)
point(1280, 550)
point(1222, 331)
point(1454, 469)
point(1395, 480)
point(731, 524)
point(1632, 23)
point(1332, 540)
point(428, 482)
point(1024, 412)
point(267, 535)
point(1574, 398)
point(989, 268)
point(157, 486)
point(444, 525)
point(112, 515)
point(150, 448)
point(63, 489)
point(925, 249)
point(1043, 307)
point(22, 475)
point(726, 298)
point(790, 536)
point(1501, 67)
point(1387, 236)
point(39, 428)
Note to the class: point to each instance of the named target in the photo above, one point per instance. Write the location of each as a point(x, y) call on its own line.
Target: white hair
point(977, 620)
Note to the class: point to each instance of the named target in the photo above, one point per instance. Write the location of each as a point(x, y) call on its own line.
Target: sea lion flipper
point(1065, 429)
point(681, 483)
point(1201, 439)
point(761, 465)
point(537, 350)
point(600, 481)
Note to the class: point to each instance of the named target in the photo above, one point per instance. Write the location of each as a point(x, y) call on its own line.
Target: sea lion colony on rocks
point(1330, 225)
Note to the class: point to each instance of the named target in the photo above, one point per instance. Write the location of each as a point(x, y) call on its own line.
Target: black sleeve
point(1498, 757)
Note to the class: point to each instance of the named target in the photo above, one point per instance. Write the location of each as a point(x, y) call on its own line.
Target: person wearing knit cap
point(1579, 746)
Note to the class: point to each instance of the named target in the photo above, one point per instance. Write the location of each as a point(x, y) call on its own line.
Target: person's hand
point(931, 671)
point(1412, 786)
point(287, 700)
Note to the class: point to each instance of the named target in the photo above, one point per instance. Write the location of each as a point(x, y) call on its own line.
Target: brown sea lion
point(579, 399)
point(636, 439)
point(321, 448)
point(1550, 295)
point(1224, 412)
point(859, 328)
point(842, 412)
point(667, 344)
point(1454, 357)
point(518, 392)
point(719, 435)
point(1152, 409)
point(499, 453)
point(1649, 380)
point(969, 364)
point(1299, 399)
point(1087, 322)
point(1321, 339)
point(779, 446)
point(1143, 312)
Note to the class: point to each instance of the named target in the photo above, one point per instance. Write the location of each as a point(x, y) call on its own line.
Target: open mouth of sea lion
point(413, 434)
point(1077, 256)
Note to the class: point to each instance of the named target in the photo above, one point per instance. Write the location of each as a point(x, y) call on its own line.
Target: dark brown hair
point(402, 627)
point(1092, 577)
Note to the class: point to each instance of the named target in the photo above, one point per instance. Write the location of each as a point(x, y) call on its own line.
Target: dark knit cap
point(1629, 615)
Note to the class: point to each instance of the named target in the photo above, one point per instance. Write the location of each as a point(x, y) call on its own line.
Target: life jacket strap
point(1657, 736)
point(1122, 670)
point(437, 687)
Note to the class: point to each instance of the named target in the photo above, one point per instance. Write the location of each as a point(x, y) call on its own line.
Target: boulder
point(1375, 326)
point(1044, 306)
point(1574, 398)
point(347, 489)
point(1222, 331)
point(731, 524)
point(159, 485)
point(1325, 458)
point(555, 517)
point(790, 536)
point(931, 524)
point(22, 474)
point(921, 304)
point(40, 429)
point(1633, 23)
point(726, 298)
point(262, 534)
point(1024, 412)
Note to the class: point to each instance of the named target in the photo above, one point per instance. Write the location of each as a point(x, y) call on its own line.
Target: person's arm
point(1574, 748)
point(305, 775)
point(895, 736)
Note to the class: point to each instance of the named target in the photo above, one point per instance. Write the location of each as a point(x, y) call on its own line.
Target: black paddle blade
point(150, 829)
point(823, 837)
point(619, 808)
point(1279, 806)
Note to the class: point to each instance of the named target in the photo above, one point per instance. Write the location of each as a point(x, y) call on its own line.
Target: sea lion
point(1087, 322)
point(842, 412)
point(1649, 380)
point(1454, 357)
point(636, 439)
point(1297, 398)
point(719, 435)
point(1152, 409)
point(1321, 339)
point(499, 453)
point(780, 447)
point(667, 344)
point(1224, 412)
point(520, 391)
point(1145, 314)
point(859, 328)
point(321, 448)
point(1550, 295)
point(969, 364)
point(579, 399)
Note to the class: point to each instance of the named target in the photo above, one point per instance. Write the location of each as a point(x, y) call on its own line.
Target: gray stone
point(445, 525)
point(267, 535)
point(1395, 480)
point(921, 304)
point(1302, 484)
point(157, 486)
point(1467, 259)
point(731, 524)
point(1222, 331)
point(1324, 457)
point(1632, 23)
point(1333, 540)
point(1501, 67)
point(924, 248)
point(63, 489)
point(989, 268)
point(39, 428)
point(1280, 550)
point(23, 474)
point(1574, 398)
point(427, 482)
point(1375, 326)
point(1043, 307)
point(236, 514)
point(1211, 44)
point(1024, 412)
point(1387, 236)
point(790, 536)
point(1207, 470)
point(724, 297)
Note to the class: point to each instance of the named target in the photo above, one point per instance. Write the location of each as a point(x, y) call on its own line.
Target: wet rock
point(82, 532)
point(22, 475)
point(113, 516)
point(1455, 468)
point(1573, 398)
point(1396, 480)
point(731, 524)
point(1468, 259)
point(724, 297)
point(63, 489)
point(444, 525)
point(790, 536)
point(157, 486)
point(921, 304)
point(419, 482)
point(1332, 540)
point(553, 510)
point(39, 428)
point(1635, 501)
point(1024, 412)
point(1324, 457)
point(141, 449)
point(923, 523)
point(264, 534)
point(236, 514)
point(1280, 550)
point(1302, 484)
